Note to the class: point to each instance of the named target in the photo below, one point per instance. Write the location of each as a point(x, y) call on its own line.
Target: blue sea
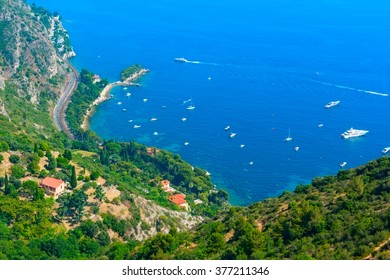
point(263, 67)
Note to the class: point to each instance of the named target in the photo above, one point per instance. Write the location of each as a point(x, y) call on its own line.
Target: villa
point(53, 187)
point(180, 200)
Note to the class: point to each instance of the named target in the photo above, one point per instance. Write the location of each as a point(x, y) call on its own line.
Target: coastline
point(105, 95)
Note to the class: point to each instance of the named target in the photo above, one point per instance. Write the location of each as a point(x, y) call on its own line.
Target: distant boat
point(242, 146)
point(128, 94)
point(227, 128)
point(232, 135)
point(153, 119)
point(130, 120)
point(320, 125)
point(332, 104)
point(145, 99)
point(181, 59)
point(136, 126)
point(119, 103)
point(124, 88)
point(124, 110)
point(251, 163)
point(183, 119)
point(296, 149)
point(289, 138)
point(186, 143)
point(155, 133)
point(208, 173)
point(344, 163)
point(191, 107)
point(385, 150)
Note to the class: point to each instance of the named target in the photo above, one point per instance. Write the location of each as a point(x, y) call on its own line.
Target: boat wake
point(182, 59)
point(351, 88)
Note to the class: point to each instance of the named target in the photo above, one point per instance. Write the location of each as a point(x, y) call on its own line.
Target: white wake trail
point(354, 89)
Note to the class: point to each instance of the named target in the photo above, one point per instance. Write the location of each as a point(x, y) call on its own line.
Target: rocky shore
point(105, 94)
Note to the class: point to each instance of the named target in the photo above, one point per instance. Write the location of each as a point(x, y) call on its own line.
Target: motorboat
point(233, 134)
point(181, 59)
point(385, 150)
point(332, 104)
point(344, 163)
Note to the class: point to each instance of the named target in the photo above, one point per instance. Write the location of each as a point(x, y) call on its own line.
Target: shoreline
point(105, 95)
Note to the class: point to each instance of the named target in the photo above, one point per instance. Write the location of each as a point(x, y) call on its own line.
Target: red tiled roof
point(52, 182)
point(178, 199)
point(165, 183)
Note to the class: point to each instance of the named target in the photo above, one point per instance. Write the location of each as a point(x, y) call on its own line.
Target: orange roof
point(178, 199)
point(165, 183)
point(52, 182)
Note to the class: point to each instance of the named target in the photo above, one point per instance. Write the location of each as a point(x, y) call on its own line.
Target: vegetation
point(336, 217)
point(86, 92)
point(128, 72)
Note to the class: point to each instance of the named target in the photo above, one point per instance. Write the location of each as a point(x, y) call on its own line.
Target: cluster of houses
point(55, 187)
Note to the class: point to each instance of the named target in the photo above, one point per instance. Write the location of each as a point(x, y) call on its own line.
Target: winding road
point(62, 103)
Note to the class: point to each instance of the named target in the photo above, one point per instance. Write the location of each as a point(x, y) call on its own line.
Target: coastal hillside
point(335, 217)
point(34, 48)
point(89, 198)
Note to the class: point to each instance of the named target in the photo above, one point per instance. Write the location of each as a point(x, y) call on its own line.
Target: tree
point(99, 194)
point(67, 154)
point(73, 178)
point(52, 162)
point(17, 171)
point(1, 158)
point(14, 159)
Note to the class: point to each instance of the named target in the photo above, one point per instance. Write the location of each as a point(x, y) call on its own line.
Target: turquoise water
point(262, 67)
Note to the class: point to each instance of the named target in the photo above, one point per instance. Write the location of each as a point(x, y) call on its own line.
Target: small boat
point(232, 135)
point(124, 110)
point(320, 125)
point(208, 173)
point(155, 133)
point(251, 163)
point(136, 126)
point(191, 107)
point(227, 128)
point(296, 149)
point(332, 104)
point(344, 163)
point(181, 59)
point(119, 103)
point(242, 146)
point(145, 100)
point(128, 94)
point(385, 150)
point(186, 143)
point(153, 119)
point(289, 138)
point(124, 88)
point(183, 119)
point(209, 78)
point(130, 120)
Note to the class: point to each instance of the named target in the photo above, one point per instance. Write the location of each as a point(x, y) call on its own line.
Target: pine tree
point(73, 179)
point(6, 185)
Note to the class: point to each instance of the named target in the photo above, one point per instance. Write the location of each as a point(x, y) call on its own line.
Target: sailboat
point(191, 107)
point(289, 138)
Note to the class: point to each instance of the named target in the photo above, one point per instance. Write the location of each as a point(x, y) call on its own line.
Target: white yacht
point(153, 119)
point(385, 150)
point(242, 146)
point(119, 103)
point(296, 149)
point(130, 120)
point(251, 163)
point(332, 104)
point(136, 126)
point(128, 94)
point(155, 133)
point(183, 119)
point(321, 125)
point(344, 163)
point(227, 128)
point(186, 143)
point(124, 110)
point(233, 134)
point(145, 100)
point(191, 107)
point(181, 59)
point(289, 138)
point(353, 133)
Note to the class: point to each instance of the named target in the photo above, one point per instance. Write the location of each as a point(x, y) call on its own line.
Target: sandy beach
point(105, 95)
